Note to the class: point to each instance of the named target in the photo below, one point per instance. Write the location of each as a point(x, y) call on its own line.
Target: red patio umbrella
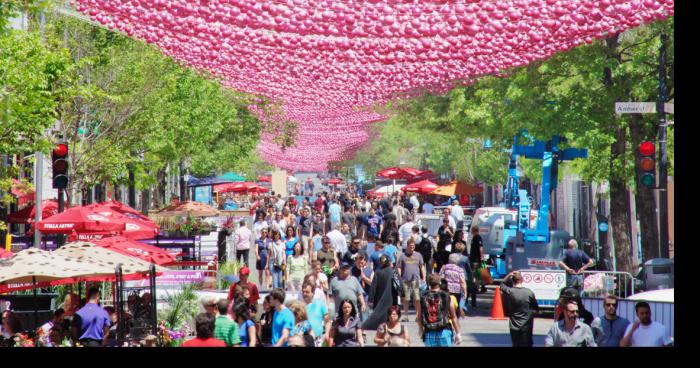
point(423, 187)
point(133, 248)
point(423, 175)
point(265, 178)
point(242, 186)
point(26, 215)
point(98, 219)
point(258, 189)
point(83, 219)
point(392, 173)
point(138, 226)
point(335, 181)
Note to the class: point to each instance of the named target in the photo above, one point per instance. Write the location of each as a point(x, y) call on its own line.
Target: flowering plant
point(23, 340)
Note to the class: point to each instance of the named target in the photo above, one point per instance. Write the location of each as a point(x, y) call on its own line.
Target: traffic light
point(59, 160)
point(648, 164)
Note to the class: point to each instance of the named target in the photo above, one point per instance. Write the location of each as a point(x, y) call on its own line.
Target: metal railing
point(597, 284)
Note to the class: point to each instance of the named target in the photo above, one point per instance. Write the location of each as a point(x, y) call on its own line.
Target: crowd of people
point(339, 264)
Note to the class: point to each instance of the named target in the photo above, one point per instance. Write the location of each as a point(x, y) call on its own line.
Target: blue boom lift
point(537, 248)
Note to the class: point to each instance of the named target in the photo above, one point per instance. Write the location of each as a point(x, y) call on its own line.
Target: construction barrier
point(597, 284)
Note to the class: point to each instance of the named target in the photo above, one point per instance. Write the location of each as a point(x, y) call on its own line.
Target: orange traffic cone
point(497, 309)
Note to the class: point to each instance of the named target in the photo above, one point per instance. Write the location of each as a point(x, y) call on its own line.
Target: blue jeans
point(276, 277)
point(574, 281)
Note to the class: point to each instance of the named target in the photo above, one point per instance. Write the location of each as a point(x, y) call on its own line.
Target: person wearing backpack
point(436, 314)
point(425, 247)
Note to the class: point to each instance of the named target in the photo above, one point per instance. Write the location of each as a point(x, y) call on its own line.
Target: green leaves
point(568, 94)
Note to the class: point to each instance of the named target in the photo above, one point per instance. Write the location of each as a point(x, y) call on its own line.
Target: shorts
point(438, 338)
point(411, 289)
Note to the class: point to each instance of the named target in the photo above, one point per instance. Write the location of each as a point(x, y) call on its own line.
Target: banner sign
point(545, 284)
point(176, 277)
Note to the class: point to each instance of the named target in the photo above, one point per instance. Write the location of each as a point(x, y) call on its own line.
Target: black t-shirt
point(305, 223)
point(575, 258)
point(444, 237)
point(349, 256)
point(477, 242)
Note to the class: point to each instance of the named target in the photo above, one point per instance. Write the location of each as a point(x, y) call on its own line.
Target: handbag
point(396, 282)
point(485, 274)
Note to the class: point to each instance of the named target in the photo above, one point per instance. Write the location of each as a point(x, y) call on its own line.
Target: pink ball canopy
point(329, 62)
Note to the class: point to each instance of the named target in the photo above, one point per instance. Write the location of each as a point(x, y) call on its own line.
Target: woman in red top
point(205, 333)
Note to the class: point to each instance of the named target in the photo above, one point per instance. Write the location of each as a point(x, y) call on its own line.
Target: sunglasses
point(611, 305)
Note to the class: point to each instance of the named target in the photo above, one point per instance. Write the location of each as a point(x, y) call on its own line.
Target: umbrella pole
point(36, 308)
point(152, 283)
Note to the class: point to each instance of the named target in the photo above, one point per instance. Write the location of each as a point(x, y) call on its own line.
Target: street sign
point(668, 107)
point(640, 108)
point(635, 107)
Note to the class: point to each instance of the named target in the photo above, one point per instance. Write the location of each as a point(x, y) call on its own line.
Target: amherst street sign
point(635, 107)
point(640, 108)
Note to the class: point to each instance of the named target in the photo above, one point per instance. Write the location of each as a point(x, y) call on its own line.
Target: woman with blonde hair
point(302, 326)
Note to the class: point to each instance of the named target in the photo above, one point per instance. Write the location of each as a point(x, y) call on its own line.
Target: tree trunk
point(160, 188)
point(644, 196)
point(619, 206)
point(145, 200)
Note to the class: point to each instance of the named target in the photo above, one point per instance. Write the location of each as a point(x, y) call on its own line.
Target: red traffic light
point(61, 150)
point(647, 148)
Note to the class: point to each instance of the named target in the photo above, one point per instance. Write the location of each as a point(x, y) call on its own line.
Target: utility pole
point(663, 159)
point(38, 169)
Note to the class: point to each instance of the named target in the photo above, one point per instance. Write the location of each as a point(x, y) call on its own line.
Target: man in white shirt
point(338, 241)
point(446, 213)
point(415, 202)
point(428, 208)
point(458, 214)
point(406, 230)
point(645, 332)
point(242, 240)
point(279, 205)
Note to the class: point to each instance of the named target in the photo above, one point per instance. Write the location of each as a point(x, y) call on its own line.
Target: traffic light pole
point(38, 186)
point(61, 205)
point(663, 159)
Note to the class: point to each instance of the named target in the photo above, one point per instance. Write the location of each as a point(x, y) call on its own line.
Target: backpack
point(435, 306)
point(425, 248)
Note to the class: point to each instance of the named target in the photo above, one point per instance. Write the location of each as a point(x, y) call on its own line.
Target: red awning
point(335, 181)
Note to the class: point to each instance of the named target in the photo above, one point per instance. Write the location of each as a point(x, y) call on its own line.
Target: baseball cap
point(345, 265)
point(244, 271)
